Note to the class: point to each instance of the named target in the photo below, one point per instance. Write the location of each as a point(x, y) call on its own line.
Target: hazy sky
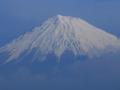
point(18, 16)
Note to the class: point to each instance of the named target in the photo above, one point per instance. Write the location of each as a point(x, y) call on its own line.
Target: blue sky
point(18, 16)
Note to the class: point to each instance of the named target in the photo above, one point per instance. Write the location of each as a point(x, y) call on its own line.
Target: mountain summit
point(60, 34)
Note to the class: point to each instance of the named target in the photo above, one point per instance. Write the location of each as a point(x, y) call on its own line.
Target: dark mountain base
point(85, 74)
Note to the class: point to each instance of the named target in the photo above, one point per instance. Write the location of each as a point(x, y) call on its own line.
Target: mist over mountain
point(101, 73)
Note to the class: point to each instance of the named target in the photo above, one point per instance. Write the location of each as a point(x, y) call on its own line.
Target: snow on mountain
point(63, 33)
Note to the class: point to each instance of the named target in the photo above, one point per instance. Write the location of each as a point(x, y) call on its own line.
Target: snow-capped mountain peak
point(59, 34)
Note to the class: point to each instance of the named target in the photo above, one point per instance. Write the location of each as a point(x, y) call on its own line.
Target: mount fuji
point(58, 35)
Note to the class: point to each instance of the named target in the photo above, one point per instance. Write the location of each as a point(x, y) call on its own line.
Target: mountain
point(58, 35)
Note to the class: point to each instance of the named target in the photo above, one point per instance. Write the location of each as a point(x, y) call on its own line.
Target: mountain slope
point(59, 34)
